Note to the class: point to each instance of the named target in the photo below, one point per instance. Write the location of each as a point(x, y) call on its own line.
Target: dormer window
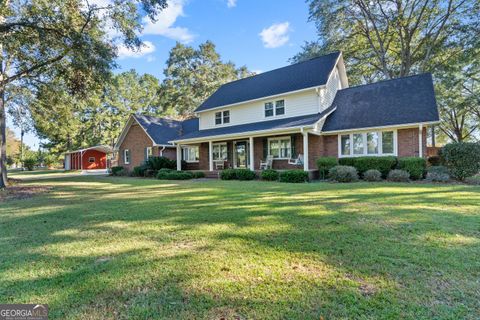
point(222, 117)
point(276, 109)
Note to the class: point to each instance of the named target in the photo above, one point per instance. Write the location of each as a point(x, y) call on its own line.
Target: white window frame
point(289, 138)
point(274, 109)
point(220, 144)
point(149, 152)
point(90, 158)
point(365, 147)
point(186, 152)
point(222, 117)
point(125, 151)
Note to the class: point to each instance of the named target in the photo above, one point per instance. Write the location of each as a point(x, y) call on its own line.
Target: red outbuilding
point(93, 158)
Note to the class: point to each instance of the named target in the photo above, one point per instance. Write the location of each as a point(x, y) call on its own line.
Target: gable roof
point(162, 130)
point(399, 101)
point(308, 74)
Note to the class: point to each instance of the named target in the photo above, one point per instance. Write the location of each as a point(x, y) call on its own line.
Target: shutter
point(292, 145)
point(265, 148)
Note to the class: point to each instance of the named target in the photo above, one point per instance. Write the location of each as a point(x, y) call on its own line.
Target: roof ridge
point(388, 80)
point(284, 67)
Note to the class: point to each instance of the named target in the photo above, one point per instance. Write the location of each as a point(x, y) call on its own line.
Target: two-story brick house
point(303, 111)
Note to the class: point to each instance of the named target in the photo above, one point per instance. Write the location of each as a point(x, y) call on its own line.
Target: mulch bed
point(16, 191)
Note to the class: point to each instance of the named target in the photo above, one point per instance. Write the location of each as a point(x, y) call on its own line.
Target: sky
point(260, 34)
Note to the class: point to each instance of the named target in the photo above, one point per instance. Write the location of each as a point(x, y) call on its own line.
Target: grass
point(105, 247)
point(41, 173)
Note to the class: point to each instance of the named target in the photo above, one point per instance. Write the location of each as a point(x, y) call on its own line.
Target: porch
point(281, 151)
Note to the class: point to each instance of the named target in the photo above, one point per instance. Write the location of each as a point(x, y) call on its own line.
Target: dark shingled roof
point(307, 74)
point(392, 102)
point(285, 123)
point(163, 130)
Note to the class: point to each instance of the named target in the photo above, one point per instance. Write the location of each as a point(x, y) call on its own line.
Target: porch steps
point(211, 174)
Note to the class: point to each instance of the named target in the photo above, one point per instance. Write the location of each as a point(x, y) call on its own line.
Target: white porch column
point(420, 141)
point(210, 155)
point(179, 158)
point(252, 160)
point(305, 151)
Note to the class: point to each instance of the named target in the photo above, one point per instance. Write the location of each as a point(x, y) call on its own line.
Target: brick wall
point(170, 153)
point(408, 142)
point(136, 141)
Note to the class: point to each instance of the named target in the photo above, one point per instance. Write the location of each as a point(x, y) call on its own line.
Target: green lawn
point(39, 174)
point(104, 247)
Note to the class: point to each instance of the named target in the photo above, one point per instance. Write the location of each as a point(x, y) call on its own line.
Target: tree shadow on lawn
point(401, 244)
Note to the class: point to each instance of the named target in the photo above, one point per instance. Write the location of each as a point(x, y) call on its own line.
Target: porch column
point(179, 158)
point(305, 151)
point(210, 155)
point(420, 141)
point(252, 163)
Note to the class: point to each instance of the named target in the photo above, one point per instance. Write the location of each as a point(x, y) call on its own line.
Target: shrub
point(434, 161)
point(140, 171)
point(169, 174)
point(162, 173)
point(29, 163)
point(198, 174)
point(157, 163)
point(362, 164)
point(398, 175)
point(343, 174)
point(438, 174)
point(293, 176)
point(228, 174)
point(269, 175)
point(324, 164)
point(116, 170)
point(414, 166)
point(473, 180)
point(372, 175)
point(245, 174)
point(462, 159)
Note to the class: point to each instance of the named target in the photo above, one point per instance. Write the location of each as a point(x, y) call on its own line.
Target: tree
point(13, 146)
point(386, 39)
point(43, 40)
point(192, 75)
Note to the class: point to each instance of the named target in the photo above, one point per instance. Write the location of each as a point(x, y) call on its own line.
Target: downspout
point(161, 151)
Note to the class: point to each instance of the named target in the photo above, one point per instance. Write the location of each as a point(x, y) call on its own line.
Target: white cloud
point(231, 3)
point(276, 35)
point(124, 52)
point(165, 21)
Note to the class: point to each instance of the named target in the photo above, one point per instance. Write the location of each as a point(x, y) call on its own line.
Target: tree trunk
point(3, 141)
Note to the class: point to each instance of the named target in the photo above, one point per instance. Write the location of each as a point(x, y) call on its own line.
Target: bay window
point(280, 148)
point(373, 143)
point(191, 154)
point(220, 151)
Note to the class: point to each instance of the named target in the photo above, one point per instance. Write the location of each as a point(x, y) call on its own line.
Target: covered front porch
point(278, 150)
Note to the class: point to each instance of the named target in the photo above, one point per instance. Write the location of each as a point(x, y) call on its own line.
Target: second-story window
point(222, 117)
point(276, 109)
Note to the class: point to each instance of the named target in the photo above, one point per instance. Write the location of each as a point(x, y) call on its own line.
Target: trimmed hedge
point(343, 174)
point(140, 171)
point(228, 174)
point(169, 174)
point(198, 174)
point(462, 159)
point(269, 175)
point(362, 164)
point(293, 176)
point(438, 174)
point(398, 175)
point(157, 163)
point(116, 170)
point(324, 164)
point(372, 175)
point(414, 166)
point(245, 174)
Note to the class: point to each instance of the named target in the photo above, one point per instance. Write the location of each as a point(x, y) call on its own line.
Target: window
point(126, 156)
point(372, 142)
point(367, 143)
point(269, 109)
point(278, 111)
point(191, 154)
point(279, 107)
point(148, 152)
point(219, 151)
point(280, 148)
point(345, 145)
point(222, 117)
point(387, 142)
point(357, 143)
point(91, 159)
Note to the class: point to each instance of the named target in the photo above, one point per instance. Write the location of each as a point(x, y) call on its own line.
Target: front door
point(241, 154)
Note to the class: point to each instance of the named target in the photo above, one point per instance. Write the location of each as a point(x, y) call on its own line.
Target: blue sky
point(261, 34)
